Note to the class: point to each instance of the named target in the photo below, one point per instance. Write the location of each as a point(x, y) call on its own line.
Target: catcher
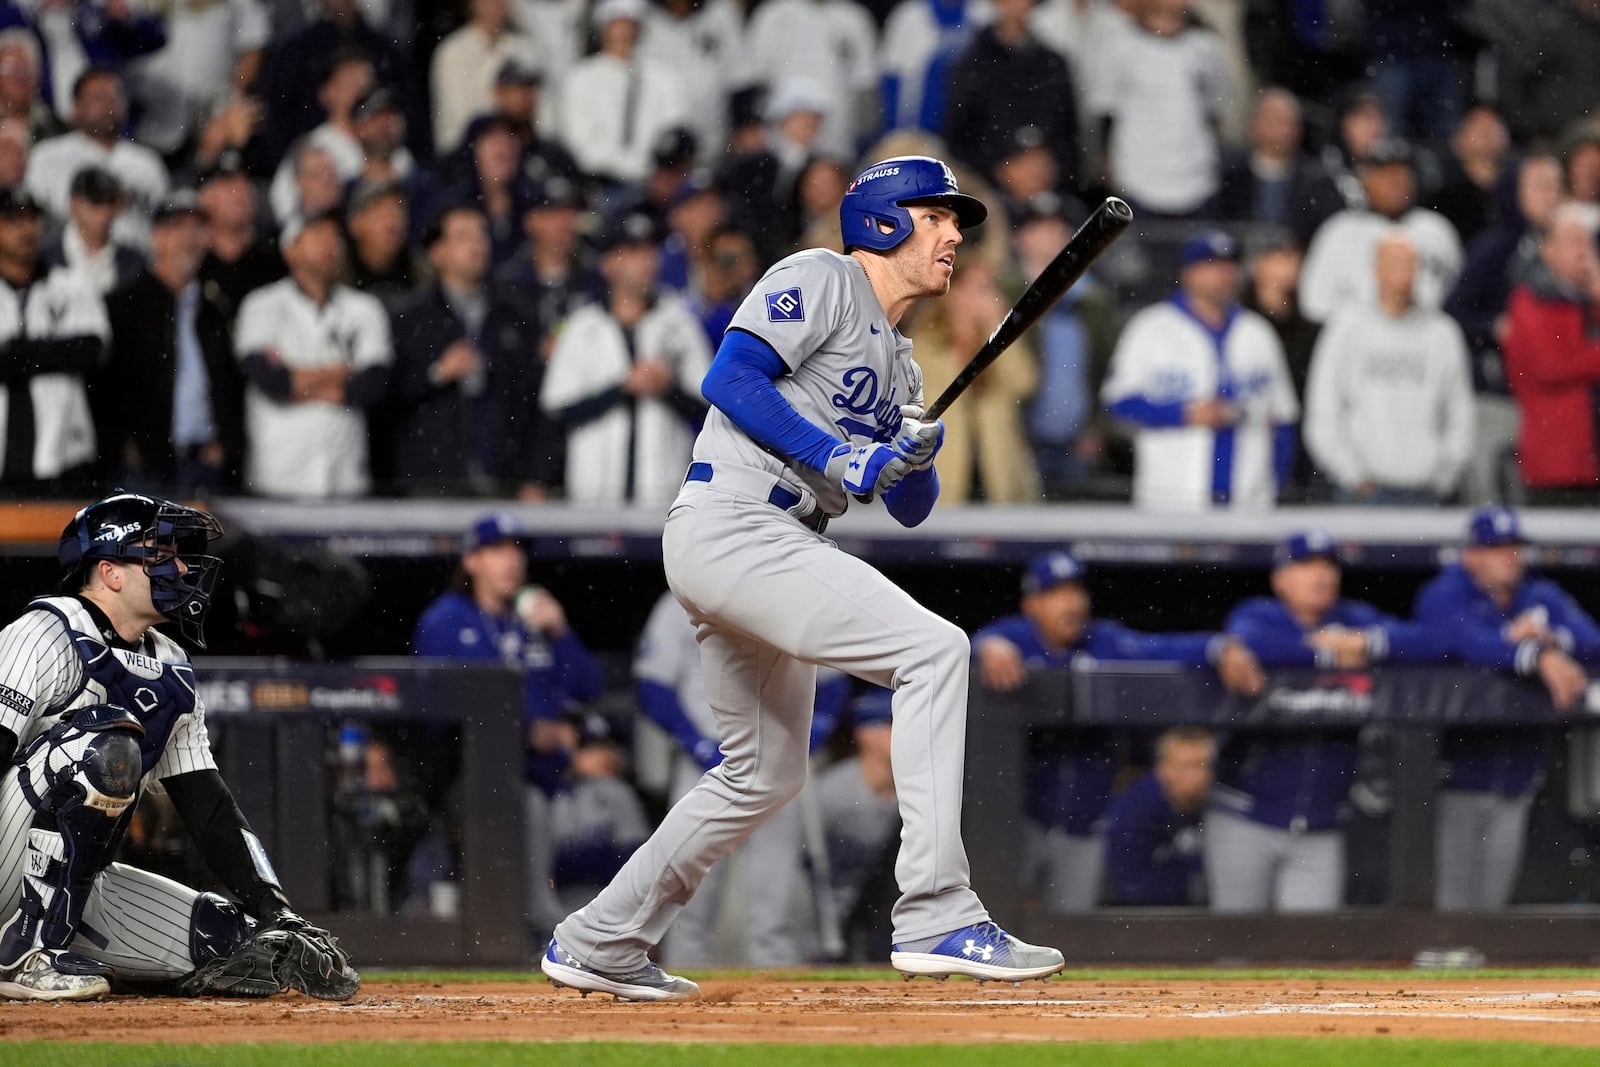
point(95, 708)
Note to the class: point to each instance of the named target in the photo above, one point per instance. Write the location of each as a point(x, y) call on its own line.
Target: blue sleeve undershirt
point(739, 384)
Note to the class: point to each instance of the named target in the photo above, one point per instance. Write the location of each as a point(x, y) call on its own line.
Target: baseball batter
point(814, 398)
point(97, 707)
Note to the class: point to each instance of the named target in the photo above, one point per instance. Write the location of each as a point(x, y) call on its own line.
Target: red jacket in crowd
point(1552, 355)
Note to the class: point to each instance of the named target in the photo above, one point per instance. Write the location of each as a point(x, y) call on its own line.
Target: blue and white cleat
point(982, 951)
point(649, 982)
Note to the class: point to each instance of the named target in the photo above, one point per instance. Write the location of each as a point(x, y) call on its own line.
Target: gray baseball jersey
point(849, 369)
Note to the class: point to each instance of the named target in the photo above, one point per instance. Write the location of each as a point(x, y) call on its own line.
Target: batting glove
point(864, 470)
point(918, 441)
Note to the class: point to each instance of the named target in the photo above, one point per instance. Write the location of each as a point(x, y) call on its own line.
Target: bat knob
point(1118, 207)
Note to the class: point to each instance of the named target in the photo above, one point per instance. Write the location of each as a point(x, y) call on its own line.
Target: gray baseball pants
point(771, 600)
point(1251, 867)
point(1478, 844)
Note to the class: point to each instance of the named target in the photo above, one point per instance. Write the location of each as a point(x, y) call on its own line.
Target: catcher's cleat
point(982, 951)
point(46, 975)
point(649, 982)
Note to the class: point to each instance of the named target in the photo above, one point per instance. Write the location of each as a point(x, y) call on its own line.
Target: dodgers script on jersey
point(850, 371)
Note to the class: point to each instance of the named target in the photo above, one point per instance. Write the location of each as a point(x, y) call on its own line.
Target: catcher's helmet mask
point(883, 192)
point(168, 539)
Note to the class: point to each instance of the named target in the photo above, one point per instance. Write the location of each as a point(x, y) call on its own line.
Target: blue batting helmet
point(879, 195)
point(158, 535)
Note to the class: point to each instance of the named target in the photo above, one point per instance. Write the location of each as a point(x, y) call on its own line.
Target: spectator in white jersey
point(85, 249)
point(52, 334)
point(1389, 410)
point(316, 353)
point(1204, 383)
point(96, 708)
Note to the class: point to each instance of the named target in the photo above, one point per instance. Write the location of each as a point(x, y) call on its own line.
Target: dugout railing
point(1415, 703)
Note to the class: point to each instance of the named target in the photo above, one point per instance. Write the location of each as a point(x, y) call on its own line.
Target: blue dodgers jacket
point(556, 674)
point(1068, 790)
point(1509, 761)
point(1300, 780)
point(1153, 854)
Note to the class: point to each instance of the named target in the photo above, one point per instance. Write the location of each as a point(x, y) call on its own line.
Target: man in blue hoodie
point(1069, 785)
point(1274, 837)
point(1495, 615)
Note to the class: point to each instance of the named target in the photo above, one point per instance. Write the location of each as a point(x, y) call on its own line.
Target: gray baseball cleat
point(982, 951)
point(649, 982)
point(37, 978)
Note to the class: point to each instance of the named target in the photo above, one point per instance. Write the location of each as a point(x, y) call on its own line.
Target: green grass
point(1096, 974)
point(1322, 1052)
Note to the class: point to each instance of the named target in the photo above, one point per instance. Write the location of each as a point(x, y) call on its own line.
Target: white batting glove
point(918, 441)
point(865, 470)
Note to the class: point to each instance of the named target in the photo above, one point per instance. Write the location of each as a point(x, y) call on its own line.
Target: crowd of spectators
point(327, 250)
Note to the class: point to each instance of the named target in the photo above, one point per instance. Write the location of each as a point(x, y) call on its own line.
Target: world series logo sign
point(786, 306)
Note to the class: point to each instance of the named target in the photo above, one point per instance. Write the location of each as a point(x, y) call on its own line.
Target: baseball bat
point(1096, 234)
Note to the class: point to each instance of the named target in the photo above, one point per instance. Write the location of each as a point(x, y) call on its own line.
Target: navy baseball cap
point(1306, 544)
point(1050, 569)
point(1495, 525)
point(1208, 247)
point(491, 530)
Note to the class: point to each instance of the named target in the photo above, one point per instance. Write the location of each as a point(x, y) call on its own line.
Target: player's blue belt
point(781, 497)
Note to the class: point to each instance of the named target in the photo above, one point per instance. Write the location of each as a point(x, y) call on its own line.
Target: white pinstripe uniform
point(136, 922)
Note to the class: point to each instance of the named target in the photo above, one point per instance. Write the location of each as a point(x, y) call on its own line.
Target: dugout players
point(1154, 845)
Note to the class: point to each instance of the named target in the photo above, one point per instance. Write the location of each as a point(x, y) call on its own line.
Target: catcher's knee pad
point(217, 927)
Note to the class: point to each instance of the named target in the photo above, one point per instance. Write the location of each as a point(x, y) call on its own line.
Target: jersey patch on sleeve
point(786, 306)
point(18, 702)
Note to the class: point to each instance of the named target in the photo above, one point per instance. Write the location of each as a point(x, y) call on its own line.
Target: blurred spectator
point(516, 99)
point(832, 41)
point(558, 30)
point(1205, 384)
point(495, 185)
point(84, 250)
point(1388, 408)
point(491, 613)
point(212, 49)
point(54, 335)
point(1553, 362)
point(14, 146)
point(1227, 18)
point(19, 86)
point(316, 354)
point(1258, 182)
point(1338, 265)
point(1007, 80)
point(554, 269)
point(465, 386)
point(1074, 340)
point(300, 59)
point(693, 214)
point(818, 191)
point(860, 813)
point(671, 690)
point(749, 174)
point(1547, 74)
point(1026, 169)
point(380, 129)
point(169, 403)
point(1081, 31)
point(348, 79)
point(1474, 173)
point(1580, 162)
point(1499, 255)
point(382, 261)
point(596, 818)
point(921, 43)
point(1154, 845)
point(99, 113)
point(1272, 281)
point(1414, 48)
point(1273, 833)
point(1494, 614)
point(466, 65)
point(672, 169)
point(704, 40)
point(1070, 783)
point(985, 441)
point(615, 103)
point(238, 260)
point(1160, 93)
point(80, 34)
point(1330, 185)
point(732, 267)
point(315, 186)
point(624, 378)
point(795, 117)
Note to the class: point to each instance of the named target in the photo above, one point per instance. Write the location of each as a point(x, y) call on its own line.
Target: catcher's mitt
point(285, 952)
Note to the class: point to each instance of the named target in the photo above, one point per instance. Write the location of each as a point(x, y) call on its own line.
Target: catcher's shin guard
point(82, 779)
